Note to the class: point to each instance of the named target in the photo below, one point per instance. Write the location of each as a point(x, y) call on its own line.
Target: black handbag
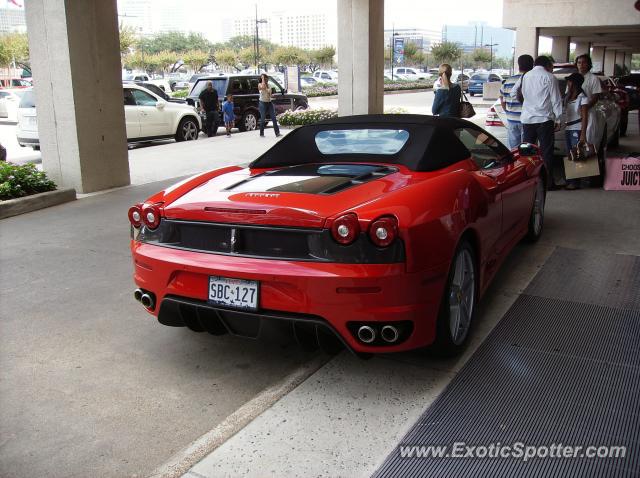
point(466, 108)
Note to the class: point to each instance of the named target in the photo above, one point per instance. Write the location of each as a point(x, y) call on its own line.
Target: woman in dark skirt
point(447, 100)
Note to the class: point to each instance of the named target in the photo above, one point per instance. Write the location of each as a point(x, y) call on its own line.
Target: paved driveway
point(90, 384)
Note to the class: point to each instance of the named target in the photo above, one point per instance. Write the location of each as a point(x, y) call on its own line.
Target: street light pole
point(258, 40)
point(491, 45)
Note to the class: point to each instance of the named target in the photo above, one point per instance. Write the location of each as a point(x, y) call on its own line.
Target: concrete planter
point(13, 207)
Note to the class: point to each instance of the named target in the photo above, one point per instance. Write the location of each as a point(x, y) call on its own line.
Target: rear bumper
point(333, 296)
point(22, 140)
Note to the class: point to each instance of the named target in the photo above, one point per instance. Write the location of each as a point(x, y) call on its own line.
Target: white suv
point(410, 74)
point(147, 116)
point(323, 76)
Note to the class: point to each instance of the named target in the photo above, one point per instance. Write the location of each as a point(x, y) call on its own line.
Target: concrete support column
point(75, 57)
point(360, 57)
point(597, 58)
point(526, 41)
point(609, 62)
point(582, 48)
point(560, 49)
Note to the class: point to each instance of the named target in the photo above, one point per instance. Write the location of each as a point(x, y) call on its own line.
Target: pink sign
point(622, 174)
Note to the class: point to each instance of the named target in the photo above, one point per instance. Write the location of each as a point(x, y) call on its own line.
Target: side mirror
point(527, 149)
point(161, 104)
point(273, 90)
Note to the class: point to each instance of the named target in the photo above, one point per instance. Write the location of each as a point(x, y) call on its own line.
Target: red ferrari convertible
point(378, 233)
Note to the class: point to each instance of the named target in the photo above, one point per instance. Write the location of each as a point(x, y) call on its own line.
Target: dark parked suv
point(244, 89)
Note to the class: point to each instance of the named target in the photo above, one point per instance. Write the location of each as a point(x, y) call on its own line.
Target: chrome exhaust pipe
point(147, 301)
point(389, 334)
point(137, 294)
point(366, 334)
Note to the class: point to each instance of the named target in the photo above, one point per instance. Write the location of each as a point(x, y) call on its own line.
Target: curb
point(14, 207)
point(181, 462)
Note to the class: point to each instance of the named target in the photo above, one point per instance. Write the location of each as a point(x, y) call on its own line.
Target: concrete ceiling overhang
point(623, 37)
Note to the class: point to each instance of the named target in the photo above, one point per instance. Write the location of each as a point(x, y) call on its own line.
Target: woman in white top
point(592, 89)
point(265, 106)
point(576, 111)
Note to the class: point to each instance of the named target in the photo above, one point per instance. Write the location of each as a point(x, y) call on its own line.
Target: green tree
point(165, 60)
point(175, 41)
point(322, 57)
point(289, 55)
point(226, 58)
point(128, 38)
point(481, 56)
point(247, 57)
point(413, 56)
point(196, 59)
point(446, 52)
point(14, 47)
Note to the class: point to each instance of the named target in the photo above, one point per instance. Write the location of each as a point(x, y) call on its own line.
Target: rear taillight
point(492, 118)
point(345, 229)
point(135, 215)
point(383, 231)
point(151, 216)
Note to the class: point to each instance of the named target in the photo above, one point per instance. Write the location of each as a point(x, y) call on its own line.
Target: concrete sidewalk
point(159, 161)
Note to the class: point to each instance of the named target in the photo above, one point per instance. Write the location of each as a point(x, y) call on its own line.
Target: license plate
point(236, 293)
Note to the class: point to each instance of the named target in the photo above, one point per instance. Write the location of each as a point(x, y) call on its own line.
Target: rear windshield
point(28, 100)
point(361, 141)
point(220, 85)
point(480, 77)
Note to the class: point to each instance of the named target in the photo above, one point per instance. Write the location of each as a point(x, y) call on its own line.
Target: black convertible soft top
point(432, 142)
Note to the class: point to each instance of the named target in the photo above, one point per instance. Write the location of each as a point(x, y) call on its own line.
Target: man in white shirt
point(592, 89)
point(541, 109)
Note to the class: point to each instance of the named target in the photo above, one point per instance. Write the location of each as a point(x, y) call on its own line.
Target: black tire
point(188, 129)
point(446, 344)
point(536, 218)
point(250, 121)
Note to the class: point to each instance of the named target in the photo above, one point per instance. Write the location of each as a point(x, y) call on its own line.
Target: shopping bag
point(581, 169)
point(622, 174)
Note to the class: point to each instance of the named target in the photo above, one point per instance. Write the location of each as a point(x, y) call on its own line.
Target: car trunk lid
point(297, 196)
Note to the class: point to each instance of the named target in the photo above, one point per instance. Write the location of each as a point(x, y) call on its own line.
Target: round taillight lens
point(151, 216)
point(135, 215)
point(345, 229)
point(383, 231)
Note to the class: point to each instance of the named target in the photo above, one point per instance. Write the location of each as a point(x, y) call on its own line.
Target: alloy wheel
point(538, 208)
point(189, 131)
point(462, 296)
point(250, 122)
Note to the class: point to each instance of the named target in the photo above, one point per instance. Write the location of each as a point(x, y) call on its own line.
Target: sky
point(206, 15)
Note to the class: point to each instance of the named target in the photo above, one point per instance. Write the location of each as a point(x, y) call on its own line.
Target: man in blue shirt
point(510, 104)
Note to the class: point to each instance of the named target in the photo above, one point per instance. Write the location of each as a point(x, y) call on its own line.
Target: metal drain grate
point(590, 277)
point(552, 371)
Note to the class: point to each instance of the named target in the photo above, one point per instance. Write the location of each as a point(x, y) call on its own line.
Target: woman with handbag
point(447, 99)
point(576, 109)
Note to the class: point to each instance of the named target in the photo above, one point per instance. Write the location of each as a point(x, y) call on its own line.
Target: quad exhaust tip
point(389, 334)
point(366, 334)
point(147, 301)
